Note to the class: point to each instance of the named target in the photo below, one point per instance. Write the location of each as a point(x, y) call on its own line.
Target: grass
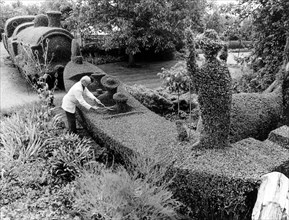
point(146, 74)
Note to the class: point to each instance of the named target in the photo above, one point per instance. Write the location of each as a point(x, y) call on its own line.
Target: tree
point(15, 9)
point(213, 18)
point(271, 23)
point(138, 25)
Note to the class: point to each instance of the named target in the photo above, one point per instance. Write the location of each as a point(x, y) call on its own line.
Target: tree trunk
point(131, 60)
point(273, 198)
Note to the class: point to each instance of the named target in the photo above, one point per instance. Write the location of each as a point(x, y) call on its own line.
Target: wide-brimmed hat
point(109, 82)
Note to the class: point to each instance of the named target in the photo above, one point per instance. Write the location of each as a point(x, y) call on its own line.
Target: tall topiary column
point(214, 94)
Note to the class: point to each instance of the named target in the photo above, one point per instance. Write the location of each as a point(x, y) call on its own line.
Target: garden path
point(14, 90)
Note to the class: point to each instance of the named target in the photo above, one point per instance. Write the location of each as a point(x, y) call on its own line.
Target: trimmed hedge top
point(144, 132)
point(246, 159)
point(139, 130)
point(255, 115)
point(212, 183)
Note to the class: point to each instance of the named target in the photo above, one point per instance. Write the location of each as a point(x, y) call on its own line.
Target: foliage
point(26, 195)
point(106, 194)
point(36, 154)
point(176, 79)
point(214, 197)
point(64, 6)
point(15, 9)
point(23, 134)
point(136, 25)
point(38, 58)
point(67, 154)
point(40, 69)
point(271, 22)
point(225, 20)
point(76, 20)
point(152, 99)
point(210, 43)
point(214, 21)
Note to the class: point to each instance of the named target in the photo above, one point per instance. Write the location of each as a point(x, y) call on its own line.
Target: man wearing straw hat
point(74, 96)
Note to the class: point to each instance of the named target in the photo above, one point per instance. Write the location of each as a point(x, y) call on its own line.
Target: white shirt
point(74, 96)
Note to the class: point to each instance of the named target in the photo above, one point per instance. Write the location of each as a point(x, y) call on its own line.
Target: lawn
point(146, 74)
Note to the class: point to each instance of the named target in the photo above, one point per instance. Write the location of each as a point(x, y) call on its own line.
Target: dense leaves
point(144, 24)
point(271, 22)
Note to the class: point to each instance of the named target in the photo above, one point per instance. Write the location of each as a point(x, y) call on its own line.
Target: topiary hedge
point(255, 115)
point(223, 184)
point(211, 183)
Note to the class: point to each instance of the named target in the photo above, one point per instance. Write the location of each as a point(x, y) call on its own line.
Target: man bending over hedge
point(74, 96)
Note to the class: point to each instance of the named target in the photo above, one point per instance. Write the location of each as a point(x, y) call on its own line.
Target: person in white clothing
point(74, 96)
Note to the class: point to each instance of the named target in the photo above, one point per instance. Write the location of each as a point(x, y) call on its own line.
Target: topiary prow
point(213, 83)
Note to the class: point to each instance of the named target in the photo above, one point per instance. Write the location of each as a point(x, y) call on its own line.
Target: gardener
point(74, 96)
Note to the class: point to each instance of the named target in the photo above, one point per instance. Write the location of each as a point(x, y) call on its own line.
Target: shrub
point(176, 78)
point(104, 194)
point(23, 134)
point(152, 99)
point(68, 153)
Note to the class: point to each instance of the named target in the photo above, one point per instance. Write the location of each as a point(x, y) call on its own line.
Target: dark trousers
point(71, 122)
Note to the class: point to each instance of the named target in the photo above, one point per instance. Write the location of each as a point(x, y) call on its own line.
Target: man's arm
point(80, 99)
point(91, 96)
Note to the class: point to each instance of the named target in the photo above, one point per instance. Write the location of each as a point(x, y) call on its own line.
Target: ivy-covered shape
point(224, 53)
point(253, 115)
point(120, 97)
point(110, 84)
point(210, 43)
point(121, 105)
point(41, 21)
point(54, 18)
point(214, 94)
